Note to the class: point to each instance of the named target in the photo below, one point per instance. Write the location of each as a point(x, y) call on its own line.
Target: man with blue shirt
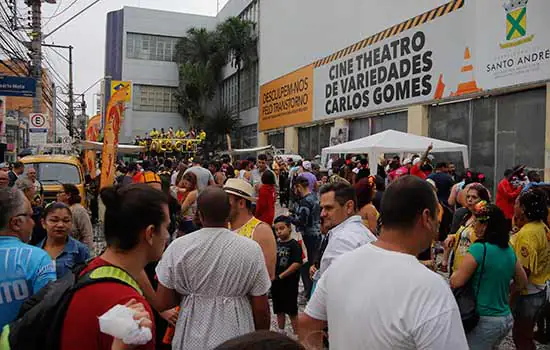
point(24, 269)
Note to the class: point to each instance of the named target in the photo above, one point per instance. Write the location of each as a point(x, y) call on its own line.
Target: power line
point(59, 54)
point(70, 19)
point(55, 14)
point(54, 71)
point(62, 11)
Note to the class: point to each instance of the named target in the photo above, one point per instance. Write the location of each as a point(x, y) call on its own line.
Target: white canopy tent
point(392, 141)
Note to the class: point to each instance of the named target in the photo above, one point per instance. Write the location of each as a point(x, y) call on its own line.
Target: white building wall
point(157, 73)
point(295, 33)
point(161, 73)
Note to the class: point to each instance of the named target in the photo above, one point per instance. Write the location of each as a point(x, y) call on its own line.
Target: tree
point(221, 123)
point(201, 56)
point(200, 60)
point(239, 41)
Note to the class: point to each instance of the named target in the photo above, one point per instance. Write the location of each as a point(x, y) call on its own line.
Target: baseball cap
point(4, 165)
point(407, 161)
point(306, 164)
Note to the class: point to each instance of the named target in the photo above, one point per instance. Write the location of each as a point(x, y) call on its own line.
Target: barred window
point(150, 47)
point(149, 98)
point(249, 89)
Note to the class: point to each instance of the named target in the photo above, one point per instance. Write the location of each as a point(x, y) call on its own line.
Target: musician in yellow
point(154, 133)
point(202, 135)
point(180, 134)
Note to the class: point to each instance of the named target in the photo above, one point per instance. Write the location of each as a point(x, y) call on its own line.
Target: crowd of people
point(412, 255)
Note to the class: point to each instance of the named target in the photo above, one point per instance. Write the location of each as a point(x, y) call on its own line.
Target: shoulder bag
point(466, 298)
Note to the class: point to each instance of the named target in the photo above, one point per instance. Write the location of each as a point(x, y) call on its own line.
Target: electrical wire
point(58, 53)
point(12, 44)
point(57, 76)
point(55, 14)
point(62, 11)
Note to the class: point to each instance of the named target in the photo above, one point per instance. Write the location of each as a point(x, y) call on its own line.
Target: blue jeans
point(489, 332)
point(312, 243)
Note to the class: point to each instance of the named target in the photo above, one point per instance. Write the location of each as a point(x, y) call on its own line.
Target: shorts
point(529, 307)
point(285, 296)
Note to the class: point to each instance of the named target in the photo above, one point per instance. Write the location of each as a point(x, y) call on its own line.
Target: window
point(251, 13)
point(58, 173)
point(149, 98)
point(249, 89)
point(249, 136)
point(151, 47)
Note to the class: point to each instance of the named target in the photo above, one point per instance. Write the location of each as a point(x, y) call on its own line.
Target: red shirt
point(506, 197)
point(81, 325)
point(137, 178)
point(265, 206)
point(416, 171)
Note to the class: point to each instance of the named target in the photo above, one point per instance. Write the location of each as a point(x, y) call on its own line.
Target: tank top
point(247, 230)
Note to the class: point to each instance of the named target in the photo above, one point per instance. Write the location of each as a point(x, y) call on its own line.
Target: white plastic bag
point(119, 322)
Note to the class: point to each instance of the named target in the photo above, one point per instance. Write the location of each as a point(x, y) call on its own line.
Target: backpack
point(41, 317)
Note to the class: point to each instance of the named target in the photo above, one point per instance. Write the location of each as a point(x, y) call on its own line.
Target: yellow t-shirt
point(464, 238)
point(366, 220)
point(533, 251)
point(247, 230)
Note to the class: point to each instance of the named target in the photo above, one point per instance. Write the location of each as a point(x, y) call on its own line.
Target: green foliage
point(201, 56)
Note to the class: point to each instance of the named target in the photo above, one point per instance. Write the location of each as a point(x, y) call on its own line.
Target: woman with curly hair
point(532, 248)
point(458, 243)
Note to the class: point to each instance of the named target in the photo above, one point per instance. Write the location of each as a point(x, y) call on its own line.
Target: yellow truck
point(55, 170)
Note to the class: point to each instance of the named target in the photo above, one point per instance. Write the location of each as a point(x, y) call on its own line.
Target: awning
point(392, 141)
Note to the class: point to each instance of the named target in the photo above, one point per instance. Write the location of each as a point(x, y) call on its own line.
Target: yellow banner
point(111, 131)
point(92, 134)
point(287, 100)
point(117, 85)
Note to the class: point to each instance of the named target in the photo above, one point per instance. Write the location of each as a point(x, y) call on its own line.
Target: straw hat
point(239, 188)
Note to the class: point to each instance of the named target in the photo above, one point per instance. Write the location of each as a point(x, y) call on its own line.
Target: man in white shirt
point(339, 215)
point(379, 296)
point(218, 279)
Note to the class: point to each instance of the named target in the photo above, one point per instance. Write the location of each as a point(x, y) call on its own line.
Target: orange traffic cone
point(468, 85)
point(440, 89)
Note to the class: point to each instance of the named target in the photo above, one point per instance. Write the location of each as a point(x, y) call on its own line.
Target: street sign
point(17, 86)
point(67, 143)
point(38, 120)
point(38, 137)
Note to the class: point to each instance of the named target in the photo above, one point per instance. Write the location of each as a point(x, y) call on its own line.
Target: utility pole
point(70, 112)
point(36, 49)
point(70, 123)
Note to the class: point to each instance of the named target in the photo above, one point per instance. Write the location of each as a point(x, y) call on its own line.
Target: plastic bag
point(119, 322)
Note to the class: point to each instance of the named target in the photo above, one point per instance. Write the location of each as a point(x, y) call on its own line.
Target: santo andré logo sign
point(516, 23)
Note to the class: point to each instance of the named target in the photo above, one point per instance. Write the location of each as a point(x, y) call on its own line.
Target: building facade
point(16, 111)
point(140, 47)
point(476, 73)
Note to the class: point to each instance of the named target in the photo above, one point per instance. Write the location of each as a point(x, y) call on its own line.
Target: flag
point(111, 131)
point(92, 134)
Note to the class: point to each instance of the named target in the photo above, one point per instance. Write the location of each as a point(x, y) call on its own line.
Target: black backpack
point(41, 317)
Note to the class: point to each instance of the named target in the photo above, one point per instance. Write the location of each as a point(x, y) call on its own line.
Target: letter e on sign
point(37, 120)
